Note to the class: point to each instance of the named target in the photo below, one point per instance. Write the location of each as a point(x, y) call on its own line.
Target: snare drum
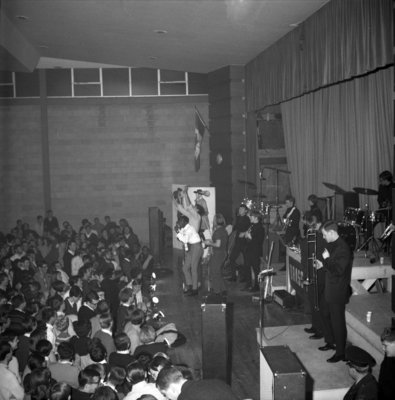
point(348, 232)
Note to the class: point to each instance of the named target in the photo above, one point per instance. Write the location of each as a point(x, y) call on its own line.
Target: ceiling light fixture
point(160, 31)
point(153, 58)
point(22, 17)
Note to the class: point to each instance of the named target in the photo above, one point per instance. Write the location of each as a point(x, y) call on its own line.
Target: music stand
point(265, 278)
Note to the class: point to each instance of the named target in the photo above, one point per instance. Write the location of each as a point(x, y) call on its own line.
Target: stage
point(325, 381)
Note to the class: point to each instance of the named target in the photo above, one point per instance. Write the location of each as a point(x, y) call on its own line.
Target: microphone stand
point(265, 283)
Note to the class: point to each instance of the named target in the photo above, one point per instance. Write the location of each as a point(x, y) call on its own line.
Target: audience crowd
point(77, 316)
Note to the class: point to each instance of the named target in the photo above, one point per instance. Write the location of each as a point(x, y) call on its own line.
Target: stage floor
point(328, 381)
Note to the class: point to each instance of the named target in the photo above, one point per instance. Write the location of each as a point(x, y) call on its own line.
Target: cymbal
point(366, 191)
point(250, 184)
point(334, 187)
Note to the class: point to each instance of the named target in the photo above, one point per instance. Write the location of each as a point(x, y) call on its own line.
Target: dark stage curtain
point(344, 39)
point(342, 134)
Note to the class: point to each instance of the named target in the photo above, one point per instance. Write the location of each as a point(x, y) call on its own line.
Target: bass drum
point(348, 233)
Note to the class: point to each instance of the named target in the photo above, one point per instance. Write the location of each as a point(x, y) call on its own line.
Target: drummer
point(384, 197)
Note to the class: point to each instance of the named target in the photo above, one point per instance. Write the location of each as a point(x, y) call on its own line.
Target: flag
point(200, 128)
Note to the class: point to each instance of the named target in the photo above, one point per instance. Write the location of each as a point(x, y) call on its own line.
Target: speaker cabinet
point(343, 201)
point(156, 233)
point(282, 376)
point(216, 338)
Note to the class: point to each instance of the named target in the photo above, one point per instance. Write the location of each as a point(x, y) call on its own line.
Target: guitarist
point(291, 222)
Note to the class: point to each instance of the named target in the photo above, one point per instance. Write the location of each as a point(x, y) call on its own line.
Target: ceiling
point(202, 35)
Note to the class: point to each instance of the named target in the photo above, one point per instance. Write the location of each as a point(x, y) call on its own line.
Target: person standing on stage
point(219, 243)
point(386, 184)
point(387, 368)
point(337, 264)
point(360, 364)
point(291, 221)
point(314, 243)
point(187, 234)
point(239, 245)
point(254, 250)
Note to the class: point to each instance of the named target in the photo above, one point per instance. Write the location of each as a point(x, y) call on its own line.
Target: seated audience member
point(57, 304)
point(23, 350)
point(98, 353)
point(34, 361)
point(121, 357)
point(137, 377)
point(105, 393)
point(360, 365)
point(102, 309)
point(125, 299)
point(17, 314)
point(102, 369)
point(88, 382)
point(81, 342)
point(158, 362)
point(88, 308)
point(45, 348)
point(48, 315)
point(10, 386)
point(38, 384)
point(64, 370)
point(387, 368)
point(105, 334)
point(73, 302)
point(60, 391)
point(111, 288)
point(149, 346)
point(116, 380)
point(133, 326)
point(173, 385)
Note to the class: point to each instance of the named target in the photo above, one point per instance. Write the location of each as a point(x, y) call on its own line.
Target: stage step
point(366, 334)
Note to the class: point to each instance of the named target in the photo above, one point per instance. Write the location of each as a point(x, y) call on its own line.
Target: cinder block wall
point(115, 156)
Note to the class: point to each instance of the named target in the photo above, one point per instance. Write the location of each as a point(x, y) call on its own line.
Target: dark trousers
point(316, 314)
point(239, 247)
point(252, 263)
point(334, 324)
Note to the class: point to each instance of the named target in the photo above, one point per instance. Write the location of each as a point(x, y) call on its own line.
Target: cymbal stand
point(278, 222)
point(375, 247)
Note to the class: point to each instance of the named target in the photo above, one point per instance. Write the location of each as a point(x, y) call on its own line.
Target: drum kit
point(358, 224)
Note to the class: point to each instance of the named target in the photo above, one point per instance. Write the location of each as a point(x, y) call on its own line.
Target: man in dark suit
point(174, 386)
point(337, 264)
point(68, 256)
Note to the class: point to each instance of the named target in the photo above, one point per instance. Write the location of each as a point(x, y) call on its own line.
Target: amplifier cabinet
point(282, 376)
point(216, 338)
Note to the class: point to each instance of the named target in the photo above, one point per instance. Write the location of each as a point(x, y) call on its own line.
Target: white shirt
point(188, 235)
point(9, 385)
point(144, 388)
point(76, 264)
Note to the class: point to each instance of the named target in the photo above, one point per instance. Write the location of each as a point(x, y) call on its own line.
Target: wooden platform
point(364, 334)
point(325, 381)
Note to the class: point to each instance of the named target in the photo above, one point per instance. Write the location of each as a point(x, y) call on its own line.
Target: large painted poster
point(204, 196)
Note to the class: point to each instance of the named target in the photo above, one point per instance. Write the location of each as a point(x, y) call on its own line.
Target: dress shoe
point(193, 292)
point(187, 292)
point(327, 347)
point(336, 358)
point(309, 330)
point(316, 336)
